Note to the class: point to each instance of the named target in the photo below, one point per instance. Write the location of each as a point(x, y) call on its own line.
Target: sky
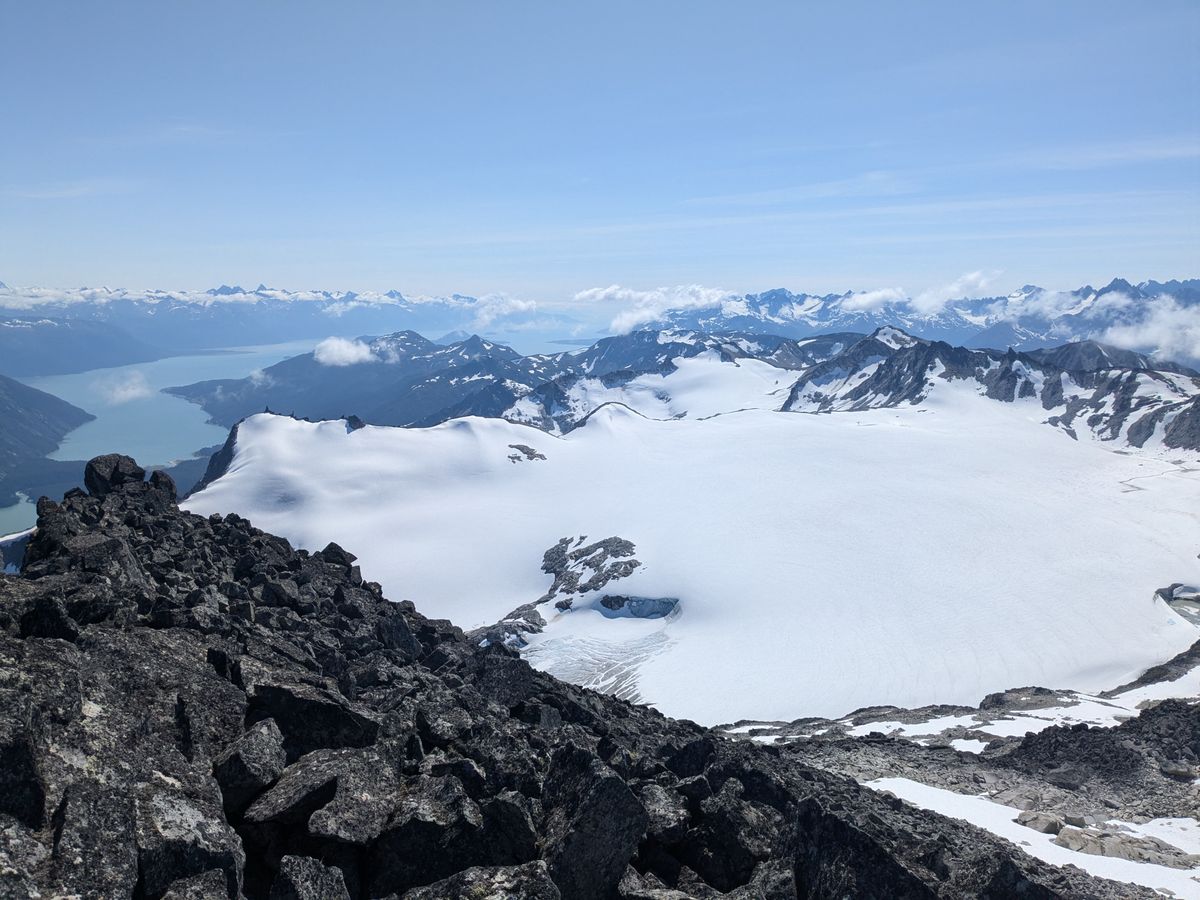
point(544, 149)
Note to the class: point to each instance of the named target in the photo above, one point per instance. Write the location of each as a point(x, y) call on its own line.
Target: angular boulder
point(593, 825)
point(251, 765)
point(304, 878)
point(104, 474)
point(529, 882)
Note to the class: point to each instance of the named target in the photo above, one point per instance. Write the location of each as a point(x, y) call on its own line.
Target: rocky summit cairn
point(191, 708)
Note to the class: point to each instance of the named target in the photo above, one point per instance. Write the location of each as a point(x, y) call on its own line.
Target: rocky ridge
point(191, 708)
point(1115, 403)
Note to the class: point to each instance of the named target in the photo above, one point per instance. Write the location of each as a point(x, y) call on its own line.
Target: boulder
point(95, 854)
point(251, 765)
point(528, 882)
point(593, 824)
point(1044, 823)
point(178, 836)
point(105, 474)
point(437, 830)
point(311, 717)
point(1102, 842)
point(204, 886)
point(345, 795)
point(666, 812)
point(304, 878)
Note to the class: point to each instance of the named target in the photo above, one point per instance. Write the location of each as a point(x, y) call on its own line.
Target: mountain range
point(1159, 318)
point(1029, 318)
point(404, 379)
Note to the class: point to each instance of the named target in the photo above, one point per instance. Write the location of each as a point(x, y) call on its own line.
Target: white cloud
point(120, 389)
point(1168, 329)
point(645, 307)
point(968, 285)
point(873, 300)
point(336, 351)
point(491, 307)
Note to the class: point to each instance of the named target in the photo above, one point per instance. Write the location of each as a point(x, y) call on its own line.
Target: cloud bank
point(934, 300)
point(646, 307)
point(336, 351)
point(869, 301)
point(491, 307)
point(1167, 330)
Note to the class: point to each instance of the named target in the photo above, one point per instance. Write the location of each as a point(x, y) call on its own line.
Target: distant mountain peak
point(1121, 286)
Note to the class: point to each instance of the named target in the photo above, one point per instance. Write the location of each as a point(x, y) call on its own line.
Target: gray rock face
point(169, 727)
point(1115, 402)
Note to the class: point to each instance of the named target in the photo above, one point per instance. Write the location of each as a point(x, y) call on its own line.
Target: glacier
point(928, 553)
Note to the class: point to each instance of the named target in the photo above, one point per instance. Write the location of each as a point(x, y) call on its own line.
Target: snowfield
point(926, 554)
point(700, 387)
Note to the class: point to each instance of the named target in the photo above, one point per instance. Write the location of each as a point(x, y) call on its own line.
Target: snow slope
point(1000, 820)
point(699, 387)
point(906, 556)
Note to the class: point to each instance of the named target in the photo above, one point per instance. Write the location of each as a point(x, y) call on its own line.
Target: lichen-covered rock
point(304, 878)
point(529, 882)
point(251, 765)
point(204, 886)
point(95, 853)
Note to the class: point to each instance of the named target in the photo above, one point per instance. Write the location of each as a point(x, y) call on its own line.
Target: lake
point(133, 416)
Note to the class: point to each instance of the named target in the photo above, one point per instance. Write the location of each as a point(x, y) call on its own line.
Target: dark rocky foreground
point(190, 708)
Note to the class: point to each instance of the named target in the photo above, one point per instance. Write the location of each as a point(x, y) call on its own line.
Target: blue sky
point(541, 149)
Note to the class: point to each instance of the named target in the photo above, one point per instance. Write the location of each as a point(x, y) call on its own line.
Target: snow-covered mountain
point(404, 379)
point(675, 535)
point(1134, 406)
point(228, 316)
point(1160, 318)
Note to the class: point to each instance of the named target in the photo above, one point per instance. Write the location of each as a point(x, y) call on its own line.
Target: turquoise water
point(17, 517)
point(135, 418)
